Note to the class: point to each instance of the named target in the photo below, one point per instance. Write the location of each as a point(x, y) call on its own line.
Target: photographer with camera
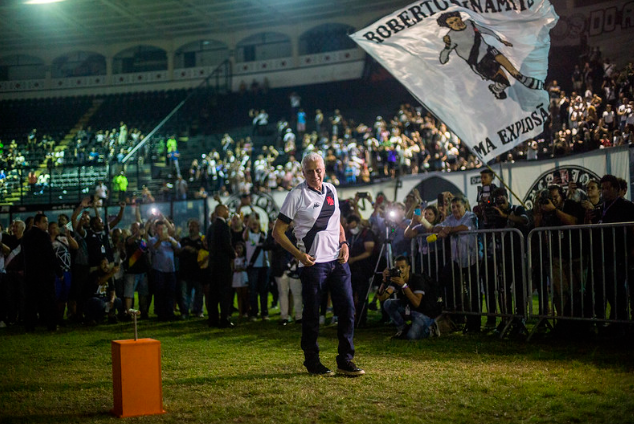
point(554, 210)
point(392, 225)
point(485, 200)
point(416, 299)
point(593, 203)
point(361, 261)
point(504, 258)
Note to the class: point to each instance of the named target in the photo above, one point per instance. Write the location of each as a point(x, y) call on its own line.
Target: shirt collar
point(323, 189)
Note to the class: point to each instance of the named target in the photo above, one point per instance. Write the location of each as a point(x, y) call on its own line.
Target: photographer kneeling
point(416, 300)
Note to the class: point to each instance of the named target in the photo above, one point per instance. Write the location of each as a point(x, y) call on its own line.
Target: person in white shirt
point(322, 251)
point(608, 117)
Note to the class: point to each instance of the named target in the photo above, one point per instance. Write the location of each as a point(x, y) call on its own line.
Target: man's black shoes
point(321, 370)
point(350, 369)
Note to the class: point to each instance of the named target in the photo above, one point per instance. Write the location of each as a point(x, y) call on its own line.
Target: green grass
point(254, 374)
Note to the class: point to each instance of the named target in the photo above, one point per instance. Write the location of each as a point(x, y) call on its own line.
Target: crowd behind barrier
point(480, 267)
point(581, 275)
point(95, 258)
point(492, 285)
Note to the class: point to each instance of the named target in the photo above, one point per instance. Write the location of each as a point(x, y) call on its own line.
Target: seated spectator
point(104, 300)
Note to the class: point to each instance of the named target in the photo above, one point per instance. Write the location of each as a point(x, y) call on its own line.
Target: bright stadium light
point(42, 1)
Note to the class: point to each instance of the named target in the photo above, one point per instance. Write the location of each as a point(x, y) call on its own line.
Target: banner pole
point(472, 151)
point(505, 185)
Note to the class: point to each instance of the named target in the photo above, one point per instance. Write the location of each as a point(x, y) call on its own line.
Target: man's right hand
point(306, 259)
point(386, 275)
point(85, 202)
point(548, 207)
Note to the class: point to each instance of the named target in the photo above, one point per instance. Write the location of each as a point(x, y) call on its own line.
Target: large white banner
point(478, 68)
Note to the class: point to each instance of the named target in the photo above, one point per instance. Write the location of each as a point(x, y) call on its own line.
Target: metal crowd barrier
point(483, 273)
point(580, 273)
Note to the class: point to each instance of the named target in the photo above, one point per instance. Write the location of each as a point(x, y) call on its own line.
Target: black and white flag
point(478, 65)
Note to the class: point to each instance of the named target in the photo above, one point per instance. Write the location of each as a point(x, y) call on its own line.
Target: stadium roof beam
point(280, 16)
point(125, 12)
point(76, 25)
point(201, 13)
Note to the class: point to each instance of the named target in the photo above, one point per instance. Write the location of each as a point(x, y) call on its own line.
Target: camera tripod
point(386, 247)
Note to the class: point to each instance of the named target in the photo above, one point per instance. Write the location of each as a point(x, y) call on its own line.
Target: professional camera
point(395, 272)
point(390, 219)
point(543, 197)
point(487, 202)
point(484, 193)
point(490, 215)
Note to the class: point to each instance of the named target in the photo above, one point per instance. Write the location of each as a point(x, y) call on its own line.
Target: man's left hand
point(344, 253)
point(398, 281)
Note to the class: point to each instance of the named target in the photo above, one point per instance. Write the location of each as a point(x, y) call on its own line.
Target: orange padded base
point(136, 377)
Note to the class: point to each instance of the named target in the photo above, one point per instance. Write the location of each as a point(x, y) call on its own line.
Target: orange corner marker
point(136, 377)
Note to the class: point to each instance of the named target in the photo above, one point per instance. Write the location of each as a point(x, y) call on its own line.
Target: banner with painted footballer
point(479, 66)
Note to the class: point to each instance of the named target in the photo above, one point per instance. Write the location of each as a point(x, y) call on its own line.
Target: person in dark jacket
point(221, 257)
point(40, 267)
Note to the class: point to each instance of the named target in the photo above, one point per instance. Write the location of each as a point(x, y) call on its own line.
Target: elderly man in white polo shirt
point(322, 251)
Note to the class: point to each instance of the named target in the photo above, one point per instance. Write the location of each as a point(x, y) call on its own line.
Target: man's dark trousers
point(317, 280)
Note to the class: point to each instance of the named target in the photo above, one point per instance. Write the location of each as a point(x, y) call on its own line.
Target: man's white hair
point(312, 157)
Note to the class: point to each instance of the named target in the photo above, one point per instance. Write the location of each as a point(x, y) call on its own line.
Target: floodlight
point(42, 1)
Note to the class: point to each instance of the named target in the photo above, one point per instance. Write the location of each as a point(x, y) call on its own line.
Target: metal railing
point(482, 273)
point(580, 272)
point(63, 184)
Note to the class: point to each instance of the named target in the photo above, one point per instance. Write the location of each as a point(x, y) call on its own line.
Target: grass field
point(254, 374)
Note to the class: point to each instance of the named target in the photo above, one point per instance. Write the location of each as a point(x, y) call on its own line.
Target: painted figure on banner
point(466, 38)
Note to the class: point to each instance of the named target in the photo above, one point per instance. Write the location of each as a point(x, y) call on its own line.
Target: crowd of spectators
point(96, 268)
point(88, 147)
point(599, 110)
point(598, 113)
point(93, 268)
point(83, 269)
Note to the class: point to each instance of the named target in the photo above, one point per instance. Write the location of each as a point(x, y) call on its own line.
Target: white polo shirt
point(316, 216)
